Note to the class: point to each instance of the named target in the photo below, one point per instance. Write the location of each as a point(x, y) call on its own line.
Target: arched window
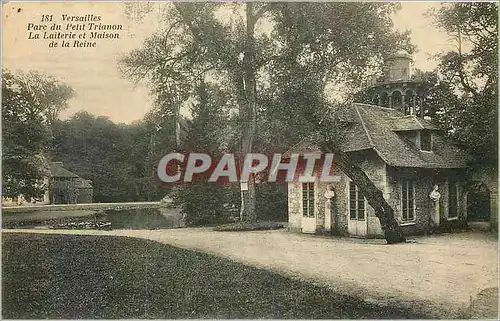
point(409, 103)
point(409, 99)
point(418, 107)
point(384, 100)
point(397, 100)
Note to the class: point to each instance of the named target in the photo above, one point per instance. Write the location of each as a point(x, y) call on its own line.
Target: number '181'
point(46, 18)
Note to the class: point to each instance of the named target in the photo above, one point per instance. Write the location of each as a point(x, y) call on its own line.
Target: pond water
point(113, 219)
point(143, 219)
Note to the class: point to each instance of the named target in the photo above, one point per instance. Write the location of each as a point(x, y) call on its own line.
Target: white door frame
point(308, 223)
point(356, 226)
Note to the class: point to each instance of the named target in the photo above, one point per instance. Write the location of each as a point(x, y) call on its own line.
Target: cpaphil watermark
point(178, 168)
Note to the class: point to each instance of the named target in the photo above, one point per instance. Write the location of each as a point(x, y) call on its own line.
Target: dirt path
point(440, 275)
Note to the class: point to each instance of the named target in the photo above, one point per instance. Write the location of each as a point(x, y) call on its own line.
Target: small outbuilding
point(66, 187)
point(406, 157)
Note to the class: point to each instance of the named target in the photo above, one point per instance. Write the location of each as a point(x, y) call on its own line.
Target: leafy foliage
point(272, 202)
point(248, 226)
point(30, 104)
point(274, 62)
point(474, 24)
point(115, 157)
point(204, 203)
point(472, 75)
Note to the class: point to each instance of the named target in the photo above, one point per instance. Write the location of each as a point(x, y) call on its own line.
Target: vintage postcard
point(241, 160)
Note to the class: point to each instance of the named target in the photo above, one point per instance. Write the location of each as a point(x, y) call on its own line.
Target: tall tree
point(49, 94)
point(471, 69)
point(202, 202)
point(266, 55)
point(95, 148)
point(118, 158)
point(30, 104)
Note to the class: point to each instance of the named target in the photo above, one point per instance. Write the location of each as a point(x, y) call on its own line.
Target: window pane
point(352, 190)
point(425, 140)
point(361, 211)
point(404, 200)
point(311, 199)
point(407, 201)
point(356, 203)
point(304, 209)
point(453, 201)
point(411, 200)
point(360, 194)
point(306, 199)
point(361, 203)
point(404, 187)
point(352, 201)
point(411, 214)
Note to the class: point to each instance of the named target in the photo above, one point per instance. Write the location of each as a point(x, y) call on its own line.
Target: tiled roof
point(381, 126)
point(355, 138)
point(57, 170)
point(405, 123)
point(377, 128)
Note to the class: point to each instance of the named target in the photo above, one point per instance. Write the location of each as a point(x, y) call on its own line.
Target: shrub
point(249, 226)
point(206, 203)
point(271, 203)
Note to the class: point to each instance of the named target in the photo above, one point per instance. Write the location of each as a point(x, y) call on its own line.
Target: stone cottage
point(66, 187)
point(405, 156)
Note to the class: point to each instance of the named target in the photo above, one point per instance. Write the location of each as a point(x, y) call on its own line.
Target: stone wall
point(375, 168)
point(338, 207)
point(336, 223)
point(424, 208)
point(84, 196)
point(294, 206)
point(388, 180)
point(490, 178)
point(63, 191)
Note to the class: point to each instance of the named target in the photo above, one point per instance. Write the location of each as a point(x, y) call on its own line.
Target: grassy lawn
point(95, 277)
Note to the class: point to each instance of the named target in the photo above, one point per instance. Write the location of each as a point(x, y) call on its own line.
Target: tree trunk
point(247, 212)
point(374, 196)
point(249, 110)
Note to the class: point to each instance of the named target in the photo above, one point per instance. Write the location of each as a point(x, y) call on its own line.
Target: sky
point(93, 72)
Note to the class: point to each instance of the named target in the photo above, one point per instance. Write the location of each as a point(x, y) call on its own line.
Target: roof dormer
point(425, 140)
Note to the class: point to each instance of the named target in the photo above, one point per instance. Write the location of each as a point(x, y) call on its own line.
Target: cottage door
point(308, 224)
point(357, 223)
point(357, 227)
